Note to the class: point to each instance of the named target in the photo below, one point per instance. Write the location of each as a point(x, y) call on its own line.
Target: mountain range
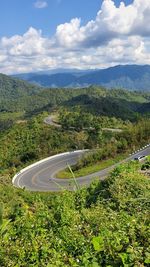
point(131, 77)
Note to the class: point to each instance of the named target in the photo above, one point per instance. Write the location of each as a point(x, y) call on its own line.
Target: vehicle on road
point(140, 158)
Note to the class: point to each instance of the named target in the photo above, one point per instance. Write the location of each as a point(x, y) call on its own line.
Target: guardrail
point(58, 155)
point(43, 160)
point(140, 149)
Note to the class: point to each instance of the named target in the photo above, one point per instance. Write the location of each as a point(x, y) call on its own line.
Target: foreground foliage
point(106, 224)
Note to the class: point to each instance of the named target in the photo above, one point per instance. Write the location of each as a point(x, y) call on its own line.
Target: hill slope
point(97, 226)
point(17, 95)
point(14, 88)
point(14, 92)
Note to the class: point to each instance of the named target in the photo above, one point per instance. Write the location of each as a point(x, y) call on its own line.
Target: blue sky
point(39, 35)
point(16, 16)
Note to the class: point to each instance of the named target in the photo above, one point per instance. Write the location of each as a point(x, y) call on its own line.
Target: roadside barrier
point(44, 160)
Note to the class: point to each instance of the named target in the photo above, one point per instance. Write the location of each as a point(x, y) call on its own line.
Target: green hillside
point(106, 224)
point(21, 96)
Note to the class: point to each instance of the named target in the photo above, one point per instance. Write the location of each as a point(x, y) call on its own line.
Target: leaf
point(94, 264)
point(98, 243)
point(147, 261)
point(124, 257)
point(4, 226)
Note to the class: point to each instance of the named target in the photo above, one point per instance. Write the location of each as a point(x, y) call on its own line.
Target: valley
point(75, 133)
point(37, 123)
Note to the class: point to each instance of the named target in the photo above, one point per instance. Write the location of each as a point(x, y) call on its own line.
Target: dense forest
point(106, 224)
point(18, 95)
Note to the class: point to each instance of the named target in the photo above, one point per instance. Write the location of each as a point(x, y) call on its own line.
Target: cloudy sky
point(47, 34)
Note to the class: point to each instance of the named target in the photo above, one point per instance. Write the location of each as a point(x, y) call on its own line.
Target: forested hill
point(132, 77)
point(14, 93)
point(17, 95)
point(13, 88)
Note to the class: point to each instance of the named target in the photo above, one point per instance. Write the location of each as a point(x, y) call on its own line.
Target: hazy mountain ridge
point(132, 77)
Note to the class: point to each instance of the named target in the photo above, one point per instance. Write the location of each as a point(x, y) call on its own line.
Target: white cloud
point(40, 4)
point(111, 22)
point(118, 35)
point(69, 34)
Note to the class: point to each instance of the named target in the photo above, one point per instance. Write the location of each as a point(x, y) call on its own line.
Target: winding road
point(50, 120)
point(41, 176)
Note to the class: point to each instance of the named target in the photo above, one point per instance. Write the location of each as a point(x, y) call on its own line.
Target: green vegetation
point(110, 148)
point(78, 119)
point(85, 111)
point(89, 169)
point(21, 96)
point(146, 165)
point(28, 142)
point(7, 119)
point(106, 224)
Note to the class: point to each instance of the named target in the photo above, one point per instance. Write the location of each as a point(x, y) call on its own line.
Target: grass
point(90, 169)
point(10, 115)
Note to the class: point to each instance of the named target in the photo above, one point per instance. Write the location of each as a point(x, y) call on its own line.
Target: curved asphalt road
point(42, 176)
point(50, 121)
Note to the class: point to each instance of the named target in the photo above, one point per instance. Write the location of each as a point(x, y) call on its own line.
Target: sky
point(39, 35)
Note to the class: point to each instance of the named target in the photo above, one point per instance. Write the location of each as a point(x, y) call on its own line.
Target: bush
point(106, 224)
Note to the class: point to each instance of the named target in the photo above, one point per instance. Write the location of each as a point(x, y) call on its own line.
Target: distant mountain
point(54, 80)
point(132, 77)
point(75, 72)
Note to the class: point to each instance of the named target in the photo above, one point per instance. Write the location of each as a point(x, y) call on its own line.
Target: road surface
point(50, 120)
point(42, 176)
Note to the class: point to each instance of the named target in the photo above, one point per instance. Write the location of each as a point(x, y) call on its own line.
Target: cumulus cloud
point(31, 43)
point(40, 4)
point(110, 22)
point(117, 35)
